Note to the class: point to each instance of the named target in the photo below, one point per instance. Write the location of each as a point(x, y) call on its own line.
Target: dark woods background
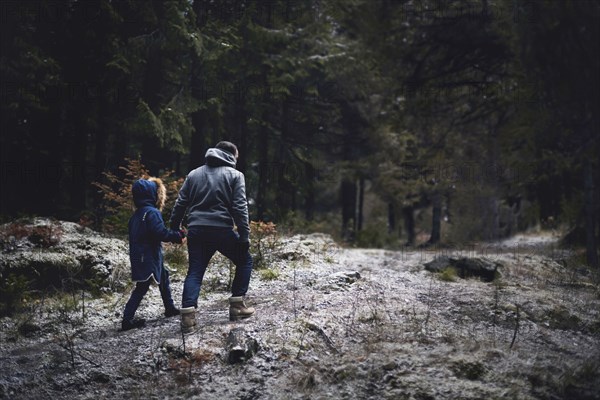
point(383, 121)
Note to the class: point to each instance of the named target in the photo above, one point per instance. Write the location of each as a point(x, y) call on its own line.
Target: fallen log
point(240, 347)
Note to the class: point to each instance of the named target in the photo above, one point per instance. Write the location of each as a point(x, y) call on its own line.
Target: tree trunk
point(198, 142)
point(243, 146)
point(359, 204)
point(590, 220)
point(78, 165)
point(391, 218)
point(309, 194)
point(100, 155)
point(243, 134)
point(199, 118)
point(242, 124)
point(348, 200)
point(285, 190)
point(495, 217)
point(436, 218)
point(101, 139)
point(263, 173)
point(409, 225)
point(449, 216)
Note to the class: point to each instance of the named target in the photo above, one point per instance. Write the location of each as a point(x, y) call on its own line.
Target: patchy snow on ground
point(331, 322)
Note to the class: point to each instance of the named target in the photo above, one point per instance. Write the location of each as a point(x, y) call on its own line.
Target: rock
point(466, 266)
point(389, 366)
point(313, 247)
point(100, 270)
point(438, 264)
point(338, 281)
point(28, 328)
point(291, 255)
point(68, 254)
point(313, 326)
point(345, 276)
point(99, 376)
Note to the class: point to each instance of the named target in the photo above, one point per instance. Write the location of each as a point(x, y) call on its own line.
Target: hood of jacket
point(149, 192)
point(217, 157)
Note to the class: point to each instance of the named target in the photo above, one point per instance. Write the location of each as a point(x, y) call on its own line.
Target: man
point(214, 196)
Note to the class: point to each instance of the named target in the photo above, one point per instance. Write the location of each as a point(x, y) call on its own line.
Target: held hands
point(182, 236)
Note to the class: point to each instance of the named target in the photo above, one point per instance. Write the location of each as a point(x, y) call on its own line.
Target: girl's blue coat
point(146, 232)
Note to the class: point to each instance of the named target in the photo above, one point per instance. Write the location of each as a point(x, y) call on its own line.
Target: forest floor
point(331, 322)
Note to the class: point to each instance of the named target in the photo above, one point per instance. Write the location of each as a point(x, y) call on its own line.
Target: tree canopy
point(465, 119)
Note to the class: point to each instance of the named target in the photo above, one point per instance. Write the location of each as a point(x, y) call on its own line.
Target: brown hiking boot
point(238, 309)
point(188, 319)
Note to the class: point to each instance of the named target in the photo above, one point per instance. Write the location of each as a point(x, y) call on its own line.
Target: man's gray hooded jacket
point(214, 195)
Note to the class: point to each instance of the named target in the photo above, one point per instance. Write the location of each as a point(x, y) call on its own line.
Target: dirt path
point(335, 323)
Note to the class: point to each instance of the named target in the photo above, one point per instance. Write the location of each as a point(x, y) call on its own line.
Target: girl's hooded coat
point(147, 230)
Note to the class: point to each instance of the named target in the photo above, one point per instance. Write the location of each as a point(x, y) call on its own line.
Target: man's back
point(214, 195)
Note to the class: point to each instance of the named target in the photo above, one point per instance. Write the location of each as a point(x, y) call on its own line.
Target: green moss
point(269, 274)
point(448, 274)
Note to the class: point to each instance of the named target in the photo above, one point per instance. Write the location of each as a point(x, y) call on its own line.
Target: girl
point(146, 232)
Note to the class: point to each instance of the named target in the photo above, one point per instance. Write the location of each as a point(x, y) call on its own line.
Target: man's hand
point(183, 232)
point(182, 236)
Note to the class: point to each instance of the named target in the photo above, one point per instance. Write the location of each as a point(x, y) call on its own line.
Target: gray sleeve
point(180, 206)
point(239, 208)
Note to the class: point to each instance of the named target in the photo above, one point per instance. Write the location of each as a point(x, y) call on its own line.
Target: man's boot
point(238, 309)
point(188, 319)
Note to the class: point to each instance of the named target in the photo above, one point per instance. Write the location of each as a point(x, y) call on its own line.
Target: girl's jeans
point(203, 242)
point(140, 290)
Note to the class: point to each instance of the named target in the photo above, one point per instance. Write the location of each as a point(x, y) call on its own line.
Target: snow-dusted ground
point(334, 323)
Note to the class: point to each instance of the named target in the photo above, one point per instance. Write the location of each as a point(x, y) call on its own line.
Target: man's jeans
point(203, 242)
point(140, 290)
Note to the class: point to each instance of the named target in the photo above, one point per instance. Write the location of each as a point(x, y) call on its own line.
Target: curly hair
point(162, 192)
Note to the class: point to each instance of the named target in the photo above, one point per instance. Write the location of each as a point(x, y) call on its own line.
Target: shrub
point(370, 236)
point(40, 235)
point(115, 191)
point(264, 242)
point(176, 256)
point(375, 236)
point(13, 290)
